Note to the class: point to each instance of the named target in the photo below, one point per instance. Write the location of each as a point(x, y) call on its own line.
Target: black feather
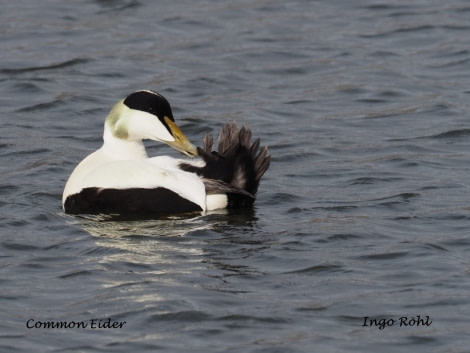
point(235, 168)
point(128, 201)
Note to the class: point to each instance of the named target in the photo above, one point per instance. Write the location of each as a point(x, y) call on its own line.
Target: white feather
point(123, 164)
point(216, 201)
point(146, 173)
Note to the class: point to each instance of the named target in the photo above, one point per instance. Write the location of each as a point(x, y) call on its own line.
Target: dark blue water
point(359, 240)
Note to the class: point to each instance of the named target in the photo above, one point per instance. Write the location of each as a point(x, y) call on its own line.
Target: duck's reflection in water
point(175, 250)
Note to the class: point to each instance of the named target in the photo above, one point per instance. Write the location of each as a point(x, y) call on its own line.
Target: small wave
point(398, 31)
point(371, 100)
point(372, 180)
point(297, 156)
point(343, 236)
point(452, 134)
point(317, 269)
point(337, 208)
point(19, 247)
point(7, 188)
point(399, 198)
point(25, 87)
point(282, 197)
point(115, 6)
point(430, 246)
point(60, 65)
point(452, 63)
point(180, 316)
point(298, 101)
point(76, 273)
point(249, 318)
point(39, 107)
point(384, 256)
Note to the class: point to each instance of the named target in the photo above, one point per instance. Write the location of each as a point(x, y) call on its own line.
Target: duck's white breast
point(98, 171)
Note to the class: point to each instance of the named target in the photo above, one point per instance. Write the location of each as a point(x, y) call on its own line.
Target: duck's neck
point(122, 149)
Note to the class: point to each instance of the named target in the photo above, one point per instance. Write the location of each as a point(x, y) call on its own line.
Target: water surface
point(363, 213)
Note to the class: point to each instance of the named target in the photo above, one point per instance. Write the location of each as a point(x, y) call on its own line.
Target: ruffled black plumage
point(235, 168)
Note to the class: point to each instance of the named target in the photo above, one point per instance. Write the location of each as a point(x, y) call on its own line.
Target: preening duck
point(120, 178)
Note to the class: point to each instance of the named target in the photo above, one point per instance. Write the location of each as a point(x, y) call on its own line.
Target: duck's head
point(147, 115)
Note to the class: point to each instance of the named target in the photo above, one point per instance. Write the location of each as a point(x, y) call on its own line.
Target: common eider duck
point(120, 178)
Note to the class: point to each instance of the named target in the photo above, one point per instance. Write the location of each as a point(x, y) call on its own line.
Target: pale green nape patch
point(116, 120)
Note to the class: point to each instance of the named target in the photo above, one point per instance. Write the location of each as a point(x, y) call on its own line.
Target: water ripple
point(317, 269)
point(64, 64)
point(373, 180)
point(384, 256)
point(453, 134)
point(180, 316)
point(363, 212)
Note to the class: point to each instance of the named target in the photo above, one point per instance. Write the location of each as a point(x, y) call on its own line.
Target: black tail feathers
point(236, 167)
